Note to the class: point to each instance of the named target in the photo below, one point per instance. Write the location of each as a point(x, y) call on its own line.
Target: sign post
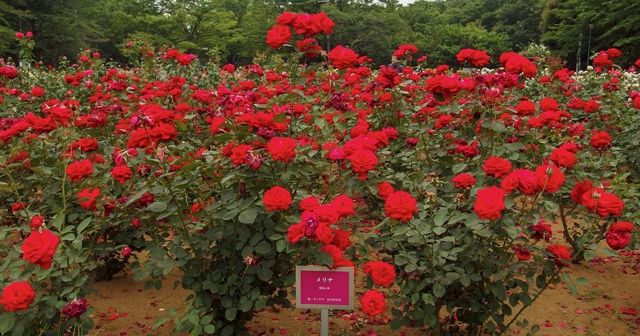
point(322, 288)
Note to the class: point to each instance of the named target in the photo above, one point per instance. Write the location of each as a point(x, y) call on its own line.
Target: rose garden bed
point(460, 198)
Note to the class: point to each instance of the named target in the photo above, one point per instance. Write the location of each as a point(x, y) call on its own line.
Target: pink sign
point(320, 287)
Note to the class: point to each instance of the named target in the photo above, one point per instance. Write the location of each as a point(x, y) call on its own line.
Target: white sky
point(406, 2)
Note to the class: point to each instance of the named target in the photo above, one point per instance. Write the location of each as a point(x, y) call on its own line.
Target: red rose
point(600, 140)
point(525, 108)
point(85, 144)
point(312, 227)
point(37, 91)
point(622, 226)
point(522, 179)
point(277, 198)
point(309, 47)
point(295, 232)
point(344, 205)
point(522, 253)
point(463, 180)
point(327, 213)
point(384, 190)
point(550, 178)
point(373, 303)
point(591, 106)
point(239, 154)
point(381, 273)
point(17, 296)
point(541, 230)
point(602, 61)
point(400, 206)
point(636, 102)
point(618, 240)
point(619, 235)
point(341, 239)
point(563, 158)
point(286, 18)
point(342, 58)
point(603, 203)
point(517, 64)
point(309, 203)
point(334, 252)
point(36, 222)
point(496, 167)
point(579, 189)
point(549, 104)
point(185, 59)
point(39, 248)
point(87, 198)
point(477, 58)
point(560, 254)
point(121, 173)
point(278, 36)
point(362, 161)
point(613, 53)
point(79, 170)
point(282, 149)
point(489, 203)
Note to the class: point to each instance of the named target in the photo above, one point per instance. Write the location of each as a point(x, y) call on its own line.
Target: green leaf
point(265, 274)
point(58, 221)
point(589, 255)
point(428, 299)
point(441, 217)
point(157, 206)
point(459, 168)
point(263, 248)
point(209, 329)
point(136, 196)
point(83, 225)
point(160, 322)
point(582, 281)
point(439, 290)
point(230, 313)
point(248, 216)
point(7, 320)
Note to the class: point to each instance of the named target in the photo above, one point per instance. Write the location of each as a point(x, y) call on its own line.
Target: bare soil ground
point(607, 305)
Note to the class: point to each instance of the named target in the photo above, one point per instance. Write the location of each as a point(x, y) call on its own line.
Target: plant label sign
point(322, 288)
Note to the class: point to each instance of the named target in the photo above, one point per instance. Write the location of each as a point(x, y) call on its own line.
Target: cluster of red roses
point(477, 58)
point(353, 98)
point(605, 58)
point(182, 59)
point(307, 25)
point(38, 248)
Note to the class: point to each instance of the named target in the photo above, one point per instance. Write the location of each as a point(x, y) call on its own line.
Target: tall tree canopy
point(236, 29)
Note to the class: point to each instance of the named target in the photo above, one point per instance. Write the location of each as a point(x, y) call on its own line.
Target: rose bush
point(234, 176)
